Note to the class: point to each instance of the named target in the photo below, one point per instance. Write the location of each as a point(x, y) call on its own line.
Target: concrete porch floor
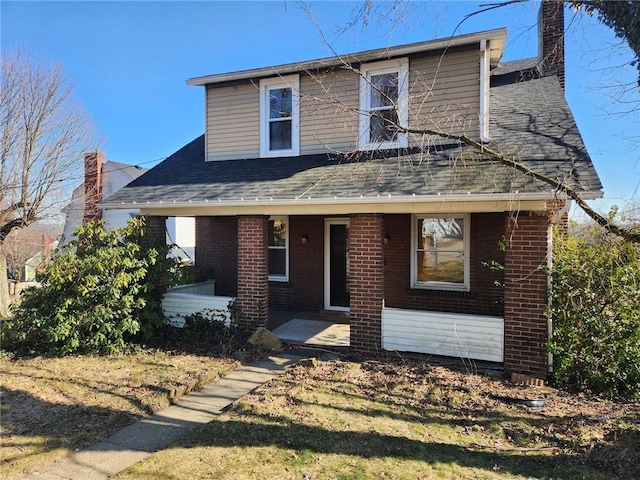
point(313, 329)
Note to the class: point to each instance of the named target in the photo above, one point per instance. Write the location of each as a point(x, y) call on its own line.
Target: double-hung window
point(280, 116)
point(278, 249)
point(384, 96)
point(440, 251)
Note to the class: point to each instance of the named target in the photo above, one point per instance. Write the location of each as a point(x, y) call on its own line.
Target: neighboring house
point(39, 260)
point(112, 176)
point(307, 199)
point(28, 250)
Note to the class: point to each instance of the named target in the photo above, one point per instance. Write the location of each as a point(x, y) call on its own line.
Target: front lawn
point(53, 406)
point(349, 421)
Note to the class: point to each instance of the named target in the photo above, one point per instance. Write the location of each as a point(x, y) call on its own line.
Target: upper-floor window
point(278, 249)
point(440, 252)
point(384, 95)
point(279, 116)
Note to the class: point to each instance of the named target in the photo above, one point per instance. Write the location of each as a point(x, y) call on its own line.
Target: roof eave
point(382, 199)
point(495, 37)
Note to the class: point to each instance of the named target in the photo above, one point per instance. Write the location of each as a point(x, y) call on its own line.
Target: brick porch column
point(525, 296)
point(366, 282)
point(253, 271)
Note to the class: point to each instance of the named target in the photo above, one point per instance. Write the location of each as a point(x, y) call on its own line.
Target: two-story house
point(316, 188)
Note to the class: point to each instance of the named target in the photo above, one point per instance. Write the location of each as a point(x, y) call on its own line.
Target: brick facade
point(305, 289)
point(156, 233)
point(366, 264)
point(525, 310)
point(217, 252)
point(253, 271)
point(487, 230)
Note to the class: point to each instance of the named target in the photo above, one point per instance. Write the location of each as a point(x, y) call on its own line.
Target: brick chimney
point(46, 251)
point(551, 39)
point(92, 186)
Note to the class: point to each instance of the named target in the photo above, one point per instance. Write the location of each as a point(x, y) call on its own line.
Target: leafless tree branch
point(43, 136)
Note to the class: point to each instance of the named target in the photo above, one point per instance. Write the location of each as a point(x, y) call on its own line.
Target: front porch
point(326, 329)
point(283, 273)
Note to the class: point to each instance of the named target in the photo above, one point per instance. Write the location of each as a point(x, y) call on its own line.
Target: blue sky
point(128, 62)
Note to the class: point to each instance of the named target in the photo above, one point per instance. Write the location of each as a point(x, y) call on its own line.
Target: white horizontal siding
point(179, 302)
point(448, 334)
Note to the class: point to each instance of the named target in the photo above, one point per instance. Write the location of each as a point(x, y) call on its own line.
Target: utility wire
point(79, 177)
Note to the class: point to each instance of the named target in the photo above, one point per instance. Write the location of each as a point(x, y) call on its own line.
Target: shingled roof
point(529, 120)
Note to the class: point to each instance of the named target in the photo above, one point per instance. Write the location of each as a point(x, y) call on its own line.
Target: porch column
point(525, 295)
point(253, 271)
point(366, 282)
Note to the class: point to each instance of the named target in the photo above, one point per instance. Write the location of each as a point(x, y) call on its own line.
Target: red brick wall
point(217, 252)
point(305, 289)
point(156, 234)
point(253, 271)
point(366, 263)
point(525, 316)
point(487, 230)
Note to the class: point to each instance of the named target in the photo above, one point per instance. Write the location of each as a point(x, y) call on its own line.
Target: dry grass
point(53, 406)
point(347, 421)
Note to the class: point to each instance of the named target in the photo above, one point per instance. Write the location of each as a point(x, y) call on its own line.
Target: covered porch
point(357, 289)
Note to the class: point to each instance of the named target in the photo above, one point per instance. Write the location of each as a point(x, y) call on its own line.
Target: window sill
point(278, 279)
point(280, 153)
point(432, 292)
point(383, 146)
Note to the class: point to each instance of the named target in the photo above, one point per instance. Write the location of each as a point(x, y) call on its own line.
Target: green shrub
point(98, 293)
point(205, 332)
point(595, 308)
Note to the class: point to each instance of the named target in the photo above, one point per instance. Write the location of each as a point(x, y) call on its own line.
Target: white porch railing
point(179, 302)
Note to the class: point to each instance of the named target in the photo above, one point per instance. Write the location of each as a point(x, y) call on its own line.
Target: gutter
point(308, 200)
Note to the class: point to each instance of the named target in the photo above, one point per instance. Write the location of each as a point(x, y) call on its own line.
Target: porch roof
point(530, 121)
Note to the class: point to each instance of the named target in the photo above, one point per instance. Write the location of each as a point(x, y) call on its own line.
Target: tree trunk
point(4, 286)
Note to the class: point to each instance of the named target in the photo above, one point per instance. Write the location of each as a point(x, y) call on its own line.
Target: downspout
point(549, 286)
point(485, 68)
point(555, 218)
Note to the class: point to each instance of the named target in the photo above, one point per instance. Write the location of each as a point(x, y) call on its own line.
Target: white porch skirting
point(474, 337)
point(179, 302)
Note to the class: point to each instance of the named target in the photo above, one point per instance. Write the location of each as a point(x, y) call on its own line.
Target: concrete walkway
point(140, 440)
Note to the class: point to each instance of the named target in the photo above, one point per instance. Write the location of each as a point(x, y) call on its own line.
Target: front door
point(336, 271)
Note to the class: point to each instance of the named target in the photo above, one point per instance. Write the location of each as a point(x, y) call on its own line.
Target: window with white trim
point(280, 116)
point(384, 98)
point(440, 252)
point(279, 249)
